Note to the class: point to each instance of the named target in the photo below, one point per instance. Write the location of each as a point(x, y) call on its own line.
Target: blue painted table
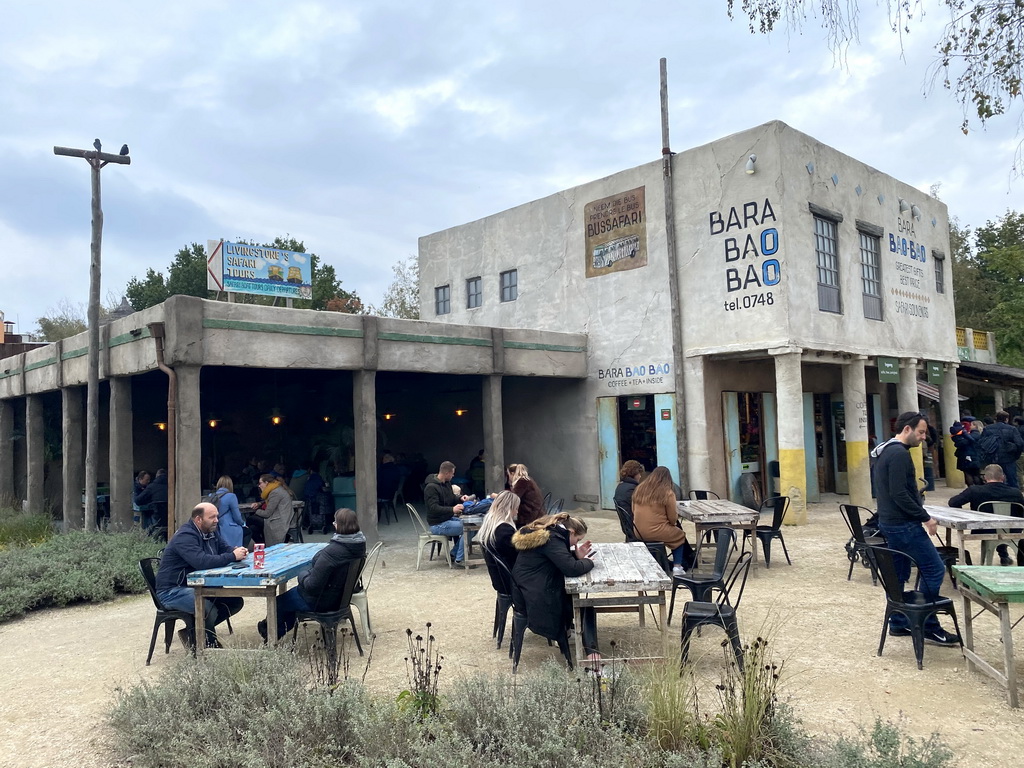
point(282, 562)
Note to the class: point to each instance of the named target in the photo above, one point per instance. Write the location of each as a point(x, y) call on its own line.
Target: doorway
point(638, 427)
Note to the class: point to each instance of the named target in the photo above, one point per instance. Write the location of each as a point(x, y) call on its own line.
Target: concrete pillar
point(949, 407)
point(998, 395)
point(364, 409)
point(188, 453)
point(73, 464)
point(907, 400)
point(792, 468)
point(494, 434)
point(122, 454)
point(858, 470)
point(7, 496)
point(35, 461)
point(697, 456)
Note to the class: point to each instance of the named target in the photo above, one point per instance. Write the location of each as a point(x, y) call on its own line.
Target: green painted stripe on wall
point(40, 364)
point(301, 330)
point(72, 354)
point(8, 374)
point(543, 347)
point(458, 340)
point(128, 338)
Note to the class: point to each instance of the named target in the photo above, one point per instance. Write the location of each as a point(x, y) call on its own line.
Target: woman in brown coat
point(654, 513)
point(531, 501)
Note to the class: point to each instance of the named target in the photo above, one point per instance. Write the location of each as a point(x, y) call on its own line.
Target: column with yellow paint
point(789, 396)
point(906, 398)
point(858, 470)
point(949, 407)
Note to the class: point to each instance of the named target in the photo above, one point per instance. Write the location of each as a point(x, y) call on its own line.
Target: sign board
point(888, 369)
point(615, 231)
point(636, 404)
point(666, 414)
point(935, 373)
point(258, 269)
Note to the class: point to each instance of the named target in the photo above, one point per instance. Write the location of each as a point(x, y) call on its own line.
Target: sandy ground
point(59, 668)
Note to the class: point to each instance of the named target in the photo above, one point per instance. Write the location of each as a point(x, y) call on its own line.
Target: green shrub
point(18, 528)
point(72, 568)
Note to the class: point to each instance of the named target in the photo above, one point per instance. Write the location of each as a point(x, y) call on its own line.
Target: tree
point(1000, 255)
point(979, 52)
point(402, 297)
point(186, 276)
point(66, 319)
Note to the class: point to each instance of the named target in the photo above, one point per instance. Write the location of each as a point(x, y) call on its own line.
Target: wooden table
point(282, 562)
point(966, 521)
point(470, 525)
point(993, 588)
point(715, 513)
point(619, 568)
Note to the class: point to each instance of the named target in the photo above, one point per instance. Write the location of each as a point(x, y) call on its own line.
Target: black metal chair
point(294, 533)
point(519, 621)
point(914, 604)
point(702, 495)
point(165, 616)
point(502, 583)
point(765, 533)
point(329, 620)
point(556, 507)
point(857, 547)
point(546, 501)
point(629, 530)
point(721, 613)
point(701, 585)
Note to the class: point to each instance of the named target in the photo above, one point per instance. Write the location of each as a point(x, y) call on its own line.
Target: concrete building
point(752, 324)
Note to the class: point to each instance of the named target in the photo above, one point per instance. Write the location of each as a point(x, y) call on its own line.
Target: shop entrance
point(751, 445)
point(638, 427)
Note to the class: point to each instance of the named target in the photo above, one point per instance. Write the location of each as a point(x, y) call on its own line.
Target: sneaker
point(261, 627)
point(1005, 560)
point(899, 631)
point(678, 570)
point(941, 637)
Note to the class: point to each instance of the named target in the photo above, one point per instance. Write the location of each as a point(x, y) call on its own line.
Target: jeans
point(677, 555)
point(288, 604)
point(215, 611)
point(451, 527)
point(912, 539)
point(1010, 470)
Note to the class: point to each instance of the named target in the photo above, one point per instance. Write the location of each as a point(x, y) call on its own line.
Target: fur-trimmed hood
point(530, 538)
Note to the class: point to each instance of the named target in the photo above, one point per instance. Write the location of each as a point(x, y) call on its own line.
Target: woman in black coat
point(544, 560)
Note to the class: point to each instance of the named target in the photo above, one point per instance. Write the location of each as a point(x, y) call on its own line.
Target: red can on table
point(258, 555)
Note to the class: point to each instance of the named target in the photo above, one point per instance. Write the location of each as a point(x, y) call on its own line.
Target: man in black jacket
point(321, 588)
point(443, 508)
point(993, 489)
point(195, 547)
point(901, 515)
point(1002, 444)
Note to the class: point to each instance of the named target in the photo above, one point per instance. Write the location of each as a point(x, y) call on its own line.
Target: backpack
point(990, 446)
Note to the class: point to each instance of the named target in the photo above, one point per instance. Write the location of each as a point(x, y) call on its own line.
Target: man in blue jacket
point(196, 547)
point(906, 524)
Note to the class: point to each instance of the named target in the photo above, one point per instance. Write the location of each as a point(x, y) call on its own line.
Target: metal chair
point(329, 621)
point(363, 586)
point(294, 533)
point(556, 507)
point(1010, 508)
point(502, 584)
point(857, 549)
point(702, 495)
point(721, 613)
point(629, 529)
point(914, 604)
point(165, 616)
point(701, 585)
point(765, 533)
point(428, 538)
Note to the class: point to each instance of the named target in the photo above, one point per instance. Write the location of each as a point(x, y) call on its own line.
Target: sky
point(357, 127)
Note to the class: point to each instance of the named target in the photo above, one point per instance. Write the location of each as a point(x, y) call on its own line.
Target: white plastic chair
point(426, 537)
point(359, 597)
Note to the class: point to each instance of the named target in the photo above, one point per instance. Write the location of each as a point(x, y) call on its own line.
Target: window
point(510, 285)
point(940, 279)
point(474, 292)
point(826, 247)
point(443, 300)
point(871, 274)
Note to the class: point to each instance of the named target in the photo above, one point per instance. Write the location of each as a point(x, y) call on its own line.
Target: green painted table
point(994, 588)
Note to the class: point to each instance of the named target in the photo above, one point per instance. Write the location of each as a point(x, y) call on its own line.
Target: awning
point(991, 373)
point(931, 392)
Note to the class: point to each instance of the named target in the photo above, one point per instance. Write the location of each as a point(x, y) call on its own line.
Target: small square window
point(443, 299)
point(510, 285)
point(474, 292)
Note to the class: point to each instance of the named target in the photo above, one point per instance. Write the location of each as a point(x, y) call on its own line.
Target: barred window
point(871, 275)
point(826, 247)
point(443, 299)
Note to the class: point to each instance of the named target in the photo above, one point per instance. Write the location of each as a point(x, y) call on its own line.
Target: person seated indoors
point(655, 516)
point(321, 587)
point(549, 549)
point(993, 489)
point(195, 547)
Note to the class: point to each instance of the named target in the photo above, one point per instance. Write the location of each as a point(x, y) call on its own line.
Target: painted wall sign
point(616, 233)
point(750, 247)
point(634, 375)
point(914, 294)
point(258, 269)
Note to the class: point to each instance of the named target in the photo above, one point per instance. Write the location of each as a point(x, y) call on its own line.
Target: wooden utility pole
point(97, 159)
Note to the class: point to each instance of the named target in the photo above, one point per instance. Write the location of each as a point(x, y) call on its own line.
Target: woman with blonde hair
point(655, 516)
point(498, 526)
point(230, 525)
point(546, 557)
point(531, 500)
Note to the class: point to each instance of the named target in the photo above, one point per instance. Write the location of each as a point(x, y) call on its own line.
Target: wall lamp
point(388, 416)
point(904, 206)
point(750, 164)
point(275, 417)
point(213, 423)
point(161, 425)
point(461, 412)
point(915, 212)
